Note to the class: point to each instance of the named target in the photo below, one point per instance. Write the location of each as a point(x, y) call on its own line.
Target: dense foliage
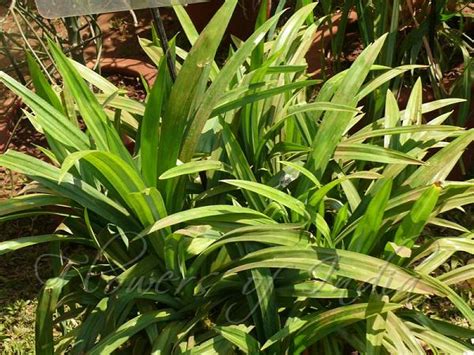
point(260, 211)
point(435, 33)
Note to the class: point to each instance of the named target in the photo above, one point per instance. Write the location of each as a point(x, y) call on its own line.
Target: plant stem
point(164, 41)
point(11, 58)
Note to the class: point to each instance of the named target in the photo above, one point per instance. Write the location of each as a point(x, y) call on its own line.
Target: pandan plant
point(255, 215)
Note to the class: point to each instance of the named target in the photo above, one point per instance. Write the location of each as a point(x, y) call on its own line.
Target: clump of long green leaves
point(431, 32)
point(249, 218)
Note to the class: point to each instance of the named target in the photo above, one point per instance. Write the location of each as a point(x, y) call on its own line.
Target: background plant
point(23, 31)
point(424, 32)
point(254, 215)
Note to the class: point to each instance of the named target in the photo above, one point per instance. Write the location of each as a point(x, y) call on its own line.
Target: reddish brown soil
point(318, 58)
point(126, 67)
point(242, 23)
point(25, 139)
point(132, 84)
